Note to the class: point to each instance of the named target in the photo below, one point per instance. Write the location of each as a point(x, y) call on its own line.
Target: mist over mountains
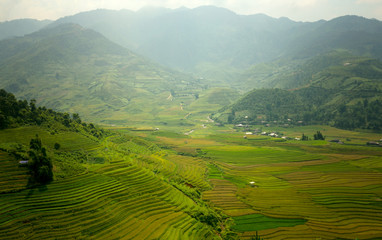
point(190, 124)
point(20, 27)
point(70, 68)
point(116, 65)
point(193, 39)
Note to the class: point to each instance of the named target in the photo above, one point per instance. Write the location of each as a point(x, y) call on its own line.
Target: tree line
point(309, 106)
point(16, 113)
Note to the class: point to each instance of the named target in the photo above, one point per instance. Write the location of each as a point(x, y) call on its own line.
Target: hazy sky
point(298, 10)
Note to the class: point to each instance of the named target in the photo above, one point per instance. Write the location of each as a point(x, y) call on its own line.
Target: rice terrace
point(191, 123)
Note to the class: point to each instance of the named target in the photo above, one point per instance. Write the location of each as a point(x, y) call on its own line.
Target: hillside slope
point(296, 74)
point(337, 89)
point(20, 27)
point(73, 69)
point(105, 184)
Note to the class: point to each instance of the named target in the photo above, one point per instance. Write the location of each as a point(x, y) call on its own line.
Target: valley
point(153, 184)
point(190, 124)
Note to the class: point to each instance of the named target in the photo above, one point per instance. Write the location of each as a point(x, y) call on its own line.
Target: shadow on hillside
point(41, 188)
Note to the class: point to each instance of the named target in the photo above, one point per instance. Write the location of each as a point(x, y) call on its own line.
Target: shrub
point(57, 146)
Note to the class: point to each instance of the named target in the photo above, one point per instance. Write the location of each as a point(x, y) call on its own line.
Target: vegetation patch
point(256, 222)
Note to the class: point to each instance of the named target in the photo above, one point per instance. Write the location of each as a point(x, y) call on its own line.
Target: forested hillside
point(340, 63)
point(336, 88)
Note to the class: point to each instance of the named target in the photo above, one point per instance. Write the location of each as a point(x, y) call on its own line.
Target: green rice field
point(140, 184)
point(255, 222)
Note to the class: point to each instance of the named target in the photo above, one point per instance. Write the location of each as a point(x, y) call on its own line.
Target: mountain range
point(207, 39)
point(117, 67)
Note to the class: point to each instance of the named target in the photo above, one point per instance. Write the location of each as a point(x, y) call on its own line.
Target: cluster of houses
point(277, 135)
point(259, 132)
point(287, 123)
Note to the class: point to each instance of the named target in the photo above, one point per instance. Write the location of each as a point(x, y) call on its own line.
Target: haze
point(298, 10)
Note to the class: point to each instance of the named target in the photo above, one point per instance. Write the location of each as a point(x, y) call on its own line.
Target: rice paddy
point(13, 176)
point(294, 189)
point(148, 184)
point(255, 222)
point(116, 201)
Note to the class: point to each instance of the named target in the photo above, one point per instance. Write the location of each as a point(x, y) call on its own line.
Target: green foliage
point(17, 150)
point(57, 146)
point(208, 216)
point(318, 136)
point(15, 113)
point(39, 164)
point(69, 163)
point(344, 92)
point(304, 137)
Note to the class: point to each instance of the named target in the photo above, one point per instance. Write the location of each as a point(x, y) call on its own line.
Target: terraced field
point(292, 189)
point(68, 140)
point(192, 170)
point(338, 196)
point(13, 177)
point(224, 196)
point(117, 201)
point(129, 188)
point(119, 192)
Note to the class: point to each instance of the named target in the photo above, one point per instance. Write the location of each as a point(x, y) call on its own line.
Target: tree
point(3, 121)
point(57, 146)
point(304, 138)
point(256, 237)
point(39, 164)
point(76, 118)
point(318, 136)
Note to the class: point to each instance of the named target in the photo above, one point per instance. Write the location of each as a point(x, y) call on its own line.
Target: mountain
point(217, 44)
point(75, 69)
point(20, 27)
point(290, 75)
point(357, 34)
point(186, 39)
point(335, 88)
point(70, 68)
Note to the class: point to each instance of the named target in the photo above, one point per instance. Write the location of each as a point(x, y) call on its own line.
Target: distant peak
point(212, 8)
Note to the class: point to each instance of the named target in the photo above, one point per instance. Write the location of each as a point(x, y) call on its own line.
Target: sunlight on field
point(316, 182)
point(282, 189)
